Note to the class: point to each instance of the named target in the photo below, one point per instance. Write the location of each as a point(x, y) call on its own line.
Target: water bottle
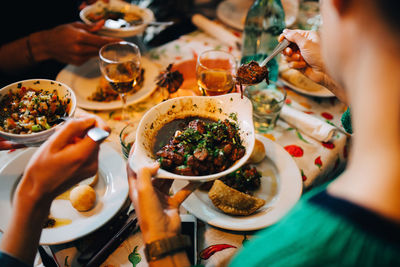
point(265, 21)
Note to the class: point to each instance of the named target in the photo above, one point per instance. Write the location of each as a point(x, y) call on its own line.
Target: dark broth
point(168, 130)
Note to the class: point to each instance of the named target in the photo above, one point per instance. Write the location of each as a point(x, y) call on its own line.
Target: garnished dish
point(198, 146)
point(122, 18)
point(29, 110)
point(105, 93)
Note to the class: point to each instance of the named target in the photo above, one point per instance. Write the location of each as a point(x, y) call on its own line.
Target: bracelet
point(31, 58)
point(160, 248)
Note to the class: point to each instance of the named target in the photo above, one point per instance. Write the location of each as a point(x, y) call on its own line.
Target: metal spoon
point(279, 48)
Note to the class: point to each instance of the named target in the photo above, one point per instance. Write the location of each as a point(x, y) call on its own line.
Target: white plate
point(323, 92)
point(111, 190)
point(84, 80)
point(233, 13)
point(281, 187)
point(146, 14)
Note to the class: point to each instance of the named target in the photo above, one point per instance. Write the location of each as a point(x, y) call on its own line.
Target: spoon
point(279, 48)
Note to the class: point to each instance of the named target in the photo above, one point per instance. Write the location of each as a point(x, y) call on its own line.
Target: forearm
point(21, 238)
point(177, 259)
point(23, 53)
point(335, 88)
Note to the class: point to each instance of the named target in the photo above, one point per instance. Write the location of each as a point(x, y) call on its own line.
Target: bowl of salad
point(195, 138)
point(30, 110)
point(117, 18)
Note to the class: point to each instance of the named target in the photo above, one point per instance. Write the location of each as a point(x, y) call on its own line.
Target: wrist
point(28, 193)
point(38, 46)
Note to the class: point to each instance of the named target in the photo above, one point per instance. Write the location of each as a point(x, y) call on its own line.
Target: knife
point(113, 244)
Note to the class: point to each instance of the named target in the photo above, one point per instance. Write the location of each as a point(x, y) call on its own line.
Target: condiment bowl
point(37, 138)
point(229, 106)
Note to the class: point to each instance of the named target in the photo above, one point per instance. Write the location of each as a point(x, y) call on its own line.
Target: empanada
point(232, 201)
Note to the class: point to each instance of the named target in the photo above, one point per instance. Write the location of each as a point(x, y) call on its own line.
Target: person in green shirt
point(355, 219)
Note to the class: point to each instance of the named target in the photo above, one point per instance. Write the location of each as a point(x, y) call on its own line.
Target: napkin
point(216, 30)
point(308, 124)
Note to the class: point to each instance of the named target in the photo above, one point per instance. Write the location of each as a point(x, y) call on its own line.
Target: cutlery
point(113, 244)
point(279, 48)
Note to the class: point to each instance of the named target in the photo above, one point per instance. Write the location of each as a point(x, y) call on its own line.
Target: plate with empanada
point(229, 204)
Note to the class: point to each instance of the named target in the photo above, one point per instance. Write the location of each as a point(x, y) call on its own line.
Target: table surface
point(318, 162)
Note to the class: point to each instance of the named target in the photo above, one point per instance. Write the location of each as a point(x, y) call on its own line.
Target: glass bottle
point(265, 21)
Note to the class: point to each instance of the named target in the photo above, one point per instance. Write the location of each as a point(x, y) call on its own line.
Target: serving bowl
point(146, 14)
point(229, 106)
point(37, 138)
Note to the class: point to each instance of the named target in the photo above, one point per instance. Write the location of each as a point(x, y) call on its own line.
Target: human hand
point(6, 145)
point(158, 213)
point(72, 43)
point(65, 159)
point(305, 55)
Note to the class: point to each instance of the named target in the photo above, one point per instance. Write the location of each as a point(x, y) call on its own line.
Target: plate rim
point(297, 189)
point(50, 238)
point(65, 77)
point(319, 93)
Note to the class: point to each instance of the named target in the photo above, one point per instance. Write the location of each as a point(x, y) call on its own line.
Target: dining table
point(317, 161)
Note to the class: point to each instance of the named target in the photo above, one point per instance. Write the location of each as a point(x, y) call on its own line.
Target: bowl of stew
point(30, 110)
point(195, 138)
point(121, 19)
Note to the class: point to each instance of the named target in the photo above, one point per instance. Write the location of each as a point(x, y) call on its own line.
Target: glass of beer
point(215, 70)
point(120, 65)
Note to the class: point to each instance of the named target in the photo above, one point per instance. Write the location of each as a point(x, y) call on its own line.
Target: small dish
point(127, 138)
point(64, 91)
point(146, 14)
point(217, 107)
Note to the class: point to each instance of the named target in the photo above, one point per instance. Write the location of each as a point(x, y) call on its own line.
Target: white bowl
point(217, 107)
point(146, 14)
point(35, 139)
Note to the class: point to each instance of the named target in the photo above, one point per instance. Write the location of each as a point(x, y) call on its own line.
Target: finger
point(72, 129)
point(288, 51)
point(295, 36)
point(281, 37)
point(6, 145)
point(131, 173)
point(144, 177)
point(182, 194)
point(297, 64)
point(99, 122)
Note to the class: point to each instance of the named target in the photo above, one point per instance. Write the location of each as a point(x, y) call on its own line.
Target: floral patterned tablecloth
point(317, 161)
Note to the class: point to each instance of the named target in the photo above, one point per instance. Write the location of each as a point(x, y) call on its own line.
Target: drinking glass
point(215, 70)
point(267, 104)
point(120, 65)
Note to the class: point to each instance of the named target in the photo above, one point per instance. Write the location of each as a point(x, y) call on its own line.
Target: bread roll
point(258, 153)
point(82, 197)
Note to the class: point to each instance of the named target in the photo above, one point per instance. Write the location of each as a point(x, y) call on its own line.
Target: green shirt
point(322, 230)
